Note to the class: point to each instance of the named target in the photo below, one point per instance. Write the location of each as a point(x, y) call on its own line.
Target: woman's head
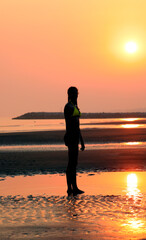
point(72, 94)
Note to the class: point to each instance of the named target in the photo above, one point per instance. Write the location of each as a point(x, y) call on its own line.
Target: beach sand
point(13, 163)
point(89, 135)
point(55, 161)
point(16, 163)
point(82, 217)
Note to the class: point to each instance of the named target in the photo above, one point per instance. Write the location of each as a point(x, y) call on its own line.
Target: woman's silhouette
point(72, 138)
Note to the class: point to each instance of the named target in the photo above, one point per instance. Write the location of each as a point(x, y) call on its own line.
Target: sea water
point(112, 207)
point(8, 125)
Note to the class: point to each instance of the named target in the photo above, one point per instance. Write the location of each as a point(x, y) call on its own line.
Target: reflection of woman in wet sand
point(72, 138)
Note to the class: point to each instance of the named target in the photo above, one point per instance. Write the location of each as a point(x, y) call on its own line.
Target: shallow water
point(8, 125)
point(62, 147)
point(113, 206)
point(97, 183)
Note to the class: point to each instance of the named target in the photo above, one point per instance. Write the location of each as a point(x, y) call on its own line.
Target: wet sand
point(16, 163)
point(36, 207)
point(83, 217)
point(89, 135)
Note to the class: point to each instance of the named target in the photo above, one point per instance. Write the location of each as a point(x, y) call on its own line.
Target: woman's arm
point(82, 142)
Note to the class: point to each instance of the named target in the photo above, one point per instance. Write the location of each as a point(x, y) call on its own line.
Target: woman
point(72, 138)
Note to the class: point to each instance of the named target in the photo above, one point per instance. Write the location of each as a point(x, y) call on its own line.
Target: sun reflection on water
point(131, 125)
point(133, 223)
point(133, 143)
point(136, 224)
point(132, 190)
point(132, 180)
point(130, 119)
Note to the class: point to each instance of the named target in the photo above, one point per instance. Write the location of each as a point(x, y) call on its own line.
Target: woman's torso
point(72, 115)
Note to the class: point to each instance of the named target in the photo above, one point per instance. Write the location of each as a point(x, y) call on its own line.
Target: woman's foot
point(77, 191)
point(69, 192)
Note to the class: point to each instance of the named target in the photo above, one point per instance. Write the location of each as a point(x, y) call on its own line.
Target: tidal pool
point(37, 207)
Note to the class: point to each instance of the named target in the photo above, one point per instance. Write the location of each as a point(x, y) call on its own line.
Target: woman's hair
point(72, 94)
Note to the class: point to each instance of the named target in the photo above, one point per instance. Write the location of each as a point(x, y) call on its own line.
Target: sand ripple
point(35, 209)
point(82, 217)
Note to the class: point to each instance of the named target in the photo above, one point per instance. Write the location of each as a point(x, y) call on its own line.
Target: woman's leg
point(71, 170)
point(71, 167)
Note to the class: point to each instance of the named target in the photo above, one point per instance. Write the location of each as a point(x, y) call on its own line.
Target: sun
point(131, 47)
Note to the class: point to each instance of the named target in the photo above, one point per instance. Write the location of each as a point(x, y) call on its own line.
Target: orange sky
point(47, 46)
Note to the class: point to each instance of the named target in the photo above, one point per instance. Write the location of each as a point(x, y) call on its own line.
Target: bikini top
point(76, 112)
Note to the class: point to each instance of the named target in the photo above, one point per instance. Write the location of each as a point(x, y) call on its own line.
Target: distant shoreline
point(60, 115)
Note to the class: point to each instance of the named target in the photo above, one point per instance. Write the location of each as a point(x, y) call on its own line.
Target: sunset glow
point(47, 46)
point(73, 119)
